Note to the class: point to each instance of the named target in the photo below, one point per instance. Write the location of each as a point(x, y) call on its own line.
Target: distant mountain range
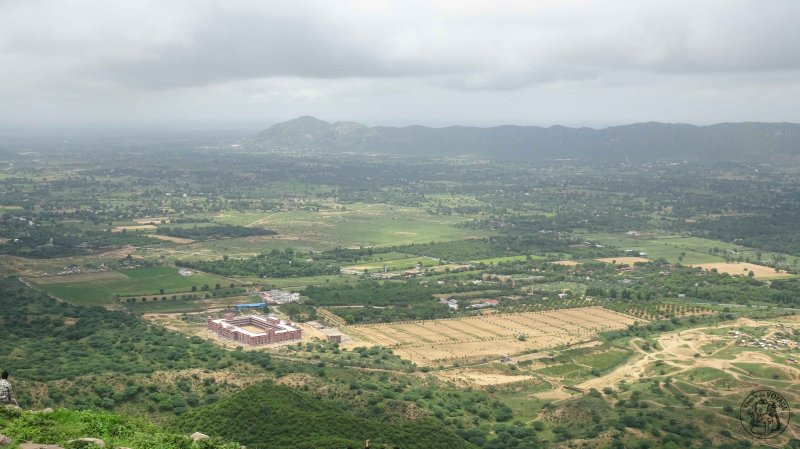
point(728, 141)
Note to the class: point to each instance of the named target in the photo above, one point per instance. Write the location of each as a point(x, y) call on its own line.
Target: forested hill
point(643, 141)
point(278, 417)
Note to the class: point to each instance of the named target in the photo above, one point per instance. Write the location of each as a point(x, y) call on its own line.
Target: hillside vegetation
point(63, 427)
point(277, 417)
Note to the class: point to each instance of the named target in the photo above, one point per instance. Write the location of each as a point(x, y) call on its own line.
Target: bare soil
point(743, 269)
point(473, 339)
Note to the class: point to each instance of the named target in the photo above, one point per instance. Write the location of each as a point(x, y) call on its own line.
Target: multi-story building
point(254, 330)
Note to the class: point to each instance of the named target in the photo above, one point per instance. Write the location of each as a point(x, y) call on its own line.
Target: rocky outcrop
point(197, 436)
point(95, 441)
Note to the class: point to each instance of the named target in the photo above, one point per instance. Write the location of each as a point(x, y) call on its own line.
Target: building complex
point(254, 330)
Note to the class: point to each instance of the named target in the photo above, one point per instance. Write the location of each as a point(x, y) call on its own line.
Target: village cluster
point(782, 339)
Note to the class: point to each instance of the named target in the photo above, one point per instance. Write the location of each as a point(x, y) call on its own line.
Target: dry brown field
point(168, 238)
point(155, 220)
point(471, 339)
point(479, 378)
point(623, 260)
point(743, 268)
point(80, 277)
point(566, 263)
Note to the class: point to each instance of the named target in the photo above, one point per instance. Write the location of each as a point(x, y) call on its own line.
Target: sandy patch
point(566, 263)
point(480, 379)
point(552, 395)
point(742, 269)
point(451, 266)
point(171, 239)
point(134, 228)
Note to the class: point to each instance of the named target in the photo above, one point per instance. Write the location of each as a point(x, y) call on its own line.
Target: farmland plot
point(460, 340)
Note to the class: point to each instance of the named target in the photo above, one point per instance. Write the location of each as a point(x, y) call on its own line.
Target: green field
point(359, 225)
point(669, 247)
point(604, 361)
point(761, 371)
point(237, 247)
point(301, 282)
point(692, 250)
point(141, 281)
point(178, 306)
point(566, 370)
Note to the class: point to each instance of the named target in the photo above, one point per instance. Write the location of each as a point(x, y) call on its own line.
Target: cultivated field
point(743, 269)
point(443, 342)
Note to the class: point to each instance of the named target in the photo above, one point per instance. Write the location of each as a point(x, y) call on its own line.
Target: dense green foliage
point(279, 417)
point(212, 232)
point(57, 340)
point(770, 230)
point(276, 264)
point(30, 239)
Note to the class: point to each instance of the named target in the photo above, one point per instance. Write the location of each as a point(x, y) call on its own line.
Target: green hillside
point(63, 427)
point(273, 416)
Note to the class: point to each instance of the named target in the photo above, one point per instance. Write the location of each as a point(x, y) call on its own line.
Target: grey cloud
point(186, 57)
point(234, 46)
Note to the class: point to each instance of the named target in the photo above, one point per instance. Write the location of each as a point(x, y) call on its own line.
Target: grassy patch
point(606, 360)
point(179, 305)
point(565, 371)
point(141, 281)
point(706, 374)
point(761, 371)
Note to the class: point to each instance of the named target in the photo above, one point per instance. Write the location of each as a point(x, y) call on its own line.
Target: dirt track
point(678, 349)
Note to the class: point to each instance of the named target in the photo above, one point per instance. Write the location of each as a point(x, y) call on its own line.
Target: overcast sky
point(592, 63)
